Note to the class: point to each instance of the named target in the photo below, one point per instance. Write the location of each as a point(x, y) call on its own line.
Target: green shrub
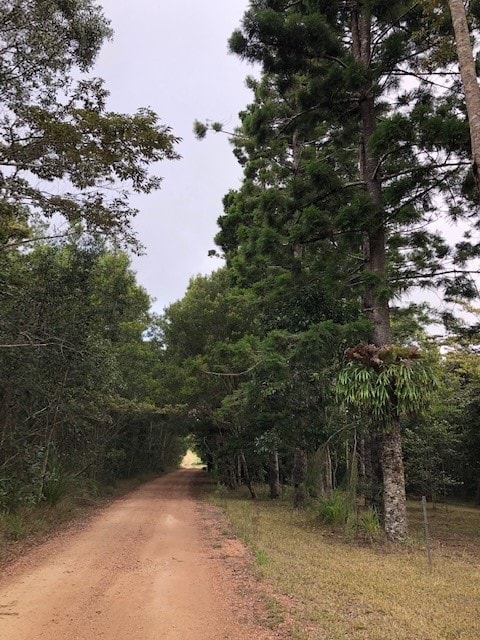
point(335, 509)
point(369, 524)
point(56, 487)
point(56, 483)
point(14, 494)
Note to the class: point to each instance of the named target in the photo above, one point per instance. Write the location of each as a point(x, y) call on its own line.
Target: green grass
point(340, 589)
point(261, 557)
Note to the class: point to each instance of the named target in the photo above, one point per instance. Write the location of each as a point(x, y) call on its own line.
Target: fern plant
point(386, 381)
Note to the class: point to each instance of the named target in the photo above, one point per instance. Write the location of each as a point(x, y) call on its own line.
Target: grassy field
point(335, 588)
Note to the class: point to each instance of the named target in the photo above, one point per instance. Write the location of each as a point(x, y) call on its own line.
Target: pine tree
point(394, 150)
point(468, 73)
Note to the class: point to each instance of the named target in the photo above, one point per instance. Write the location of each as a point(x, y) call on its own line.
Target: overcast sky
point(173, 57)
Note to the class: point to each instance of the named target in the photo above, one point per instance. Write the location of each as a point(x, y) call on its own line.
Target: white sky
point(173, 57)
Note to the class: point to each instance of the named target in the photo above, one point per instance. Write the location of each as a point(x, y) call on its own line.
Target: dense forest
point(81, 396)
point(301, 363)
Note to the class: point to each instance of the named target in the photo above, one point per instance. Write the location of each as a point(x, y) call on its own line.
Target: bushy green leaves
point(54, 125)
point(390, 386)
point(80, 387)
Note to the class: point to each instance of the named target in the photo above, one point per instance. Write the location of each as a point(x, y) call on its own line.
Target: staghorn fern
point(391, 380)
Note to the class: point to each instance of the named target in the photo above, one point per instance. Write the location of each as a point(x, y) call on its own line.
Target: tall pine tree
point(371, 159)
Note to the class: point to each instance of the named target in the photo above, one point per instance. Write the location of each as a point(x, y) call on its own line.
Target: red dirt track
point(143, 568)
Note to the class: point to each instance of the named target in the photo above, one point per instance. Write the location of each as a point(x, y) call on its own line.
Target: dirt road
point(143, 568)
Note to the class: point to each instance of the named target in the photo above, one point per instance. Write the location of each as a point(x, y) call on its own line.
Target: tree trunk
point(44, 467)
point(376, 304)
point(395, 506)
point(274, 475)
point(163, 448)
point(328, 474)
point(229, 469)
point(246, 477)
point(469, 79)
point(299, 476)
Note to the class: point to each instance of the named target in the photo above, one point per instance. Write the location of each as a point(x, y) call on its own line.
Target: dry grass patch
point(336, 589)
point(454, 528)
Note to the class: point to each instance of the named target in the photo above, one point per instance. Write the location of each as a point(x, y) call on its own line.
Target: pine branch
point(435, 274)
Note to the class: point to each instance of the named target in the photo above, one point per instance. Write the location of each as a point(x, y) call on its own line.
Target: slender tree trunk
point(376, 304)
point(362, 463)
point(229, 470)
point(469, 79)
point(299, 476)
point(274, 475)
point(44, 467)
point(163, 447)
point(50, 437)
point(328, 482)
point(246, 476)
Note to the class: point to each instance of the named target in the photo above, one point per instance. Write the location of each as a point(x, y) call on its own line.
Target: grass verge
point(336, 589)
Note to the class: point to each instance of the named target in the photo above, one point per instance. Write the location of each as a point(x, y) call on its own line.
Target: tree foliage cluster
point(80, 389)
point(80, 397)
point(64, 158)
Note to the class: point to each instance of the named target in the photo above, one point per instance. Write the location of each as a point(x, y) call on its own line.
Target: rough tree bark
point(469, 80)
point(395, 504)
point(370, 452)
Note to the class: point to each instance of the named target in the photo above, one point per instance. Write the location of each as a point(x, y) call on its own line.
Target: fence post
point(425, 529)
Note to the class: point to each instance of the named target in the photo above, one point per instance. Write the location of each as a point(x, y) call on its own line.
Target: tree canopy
point(63, 155)
point(355, 147)
point(80, 397)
